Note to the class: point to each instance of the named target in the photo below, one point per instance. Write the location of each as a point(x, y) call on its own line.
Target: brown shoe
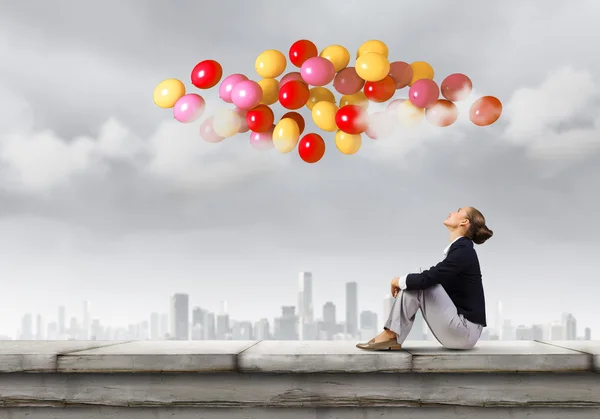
point(388, 345)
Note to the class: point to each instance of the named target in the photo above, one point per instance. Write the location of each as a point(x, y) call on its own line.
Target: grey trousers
point(451, 329)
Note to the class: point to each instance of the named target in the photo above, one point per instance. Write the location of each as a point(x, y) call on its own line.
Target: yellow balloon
point(168, 92)
point(270, 64)
point(338, 55)
point(227, 123)
point(347, 143)
point(375, 46)
point(319, 94)
point(372, 66)
point(323, 115)
point(409, 115)
point(286, 135)
point(270, 88)
point(421, 70)
point(357, 98)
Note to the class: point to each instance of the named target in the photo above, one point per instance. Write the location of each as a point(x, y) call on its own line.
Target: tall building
point(223, 327)
point(180, 316)
point(305, 297)
point(209, 326)
point(537, 332)
point(587, 334)
point(85, 329)
point(163, 331)
point(569, 325)
point(351, 308)
point(62, 322)
point(242, 331)
point(39, 329)
point(499, 320)
point(307, 326)
point(27, 327)
point(368, 324)
point(198, 316)
point(557, 331)
point(261, 330)
point(286, 325)
point(524, 333)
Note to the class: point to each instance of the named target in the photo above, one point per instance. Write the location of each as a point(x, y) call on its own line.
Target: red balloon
point(207, 74)
point(380, 91)
point(260, 118)
point(311, 148)
point(352, 119)
point(294, 94)
point(485, 111)
point(456, 87)
point(402, 73)
point(298, 118)
point(301, 51)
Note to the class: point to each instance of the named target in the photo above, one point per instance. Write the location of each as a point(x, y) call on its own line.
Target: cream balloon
point(323, 115)
point(286, 135)
point(409, 115)
point(347, 143)
point(227, 123)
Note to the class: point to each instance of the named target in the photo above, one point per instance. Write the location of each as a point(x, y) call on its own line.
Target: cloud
point(39, 161)
point(556, 121)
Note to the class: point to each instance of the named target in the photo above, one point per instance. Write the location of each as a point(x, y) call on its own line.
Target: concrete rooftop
point(167, 376)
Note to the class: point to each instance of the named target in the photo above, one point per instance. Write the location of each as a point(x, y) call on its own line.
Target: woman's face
point(457, 218)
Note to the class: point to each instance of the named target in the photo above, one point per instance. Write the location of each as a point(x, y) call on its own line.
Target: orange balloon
point(485, 111)
point(442, 114)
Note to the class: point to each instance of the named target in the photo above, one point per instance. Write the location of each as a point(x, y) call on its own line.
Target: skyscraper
point(587, 334)
point(305, 297)
point(62, 322)
point(27, 327)
point(39, 331)
point(351, 308)
point(307, 325)
point(180, 316)
point(85, 331)
point(569, 325)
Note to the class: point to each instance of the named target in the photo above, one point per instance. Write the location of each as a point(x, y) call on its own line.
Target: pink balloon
point(294, 75)
point(424, 93)
point(242, 113)
point(208, 133)
point(381, 125)
point(347, 81)
point(189, 108)
point(392, 107)
point(456, 87)
point(227, 85)
point(246, 94)
point(317, 71)
point(262, 140)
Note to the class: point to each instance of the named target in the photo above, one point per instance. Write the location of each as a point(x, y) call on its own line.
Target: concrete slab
point(320, 356)
point(497, 356)
point(40, 356)
point(591, 347)
point(157, 356)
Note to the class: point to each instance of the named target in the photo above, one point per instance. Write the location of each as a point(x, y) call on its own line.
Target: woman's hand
point(395, 288)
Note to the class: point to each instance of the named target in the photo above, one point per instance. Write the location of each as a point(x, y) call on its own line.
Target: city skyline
point(105, 197)
point(184, 321)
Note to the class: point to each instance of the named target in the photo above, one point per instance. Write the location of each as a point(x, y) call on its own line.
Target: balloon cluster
point(373, 78)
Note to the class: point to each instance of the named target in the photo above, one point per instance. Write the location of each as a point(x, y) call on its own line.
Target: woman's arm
point(441, 273)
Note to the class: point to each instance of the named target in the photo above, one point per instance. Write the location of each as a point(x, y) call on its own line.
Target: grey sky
point(104, 197)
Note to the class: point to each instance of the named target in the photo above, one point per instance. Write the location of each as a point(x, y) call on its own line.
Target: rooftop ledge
point(297, 374)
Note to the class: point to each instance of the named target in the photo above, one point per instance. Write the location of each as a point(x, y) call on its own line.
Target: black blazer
point(460, 275)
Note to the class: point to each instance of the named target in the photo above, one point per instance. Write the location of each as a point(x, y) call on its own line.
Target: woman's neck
point(454, 235)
